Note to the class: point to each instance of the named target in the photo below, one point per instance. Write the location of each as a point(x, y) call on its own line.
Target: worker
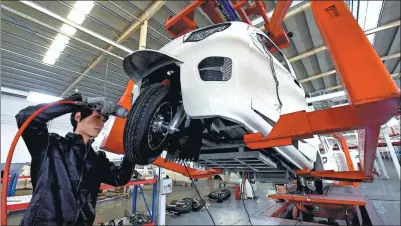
point(66, 172)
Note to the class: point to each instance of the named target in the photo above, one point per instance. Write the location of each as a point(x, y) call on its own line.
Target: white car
point(225, 75)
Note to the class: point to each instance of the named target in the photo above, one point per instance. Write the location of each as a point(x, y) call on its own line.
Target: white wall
point(10, 106)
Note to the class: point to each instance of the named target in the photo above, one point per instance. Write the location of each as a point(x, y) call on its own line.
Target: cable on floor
point(200, 197)
point(243, 200)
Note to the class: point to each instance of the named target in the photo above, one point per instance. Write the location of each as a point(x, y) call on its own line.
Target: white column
point(380, 160)
point(143, 35)
point(161, 199)
point(390, 147)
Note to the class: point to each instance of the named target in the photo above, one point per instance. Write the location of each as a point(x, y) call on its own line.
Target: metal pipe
point(390, 147)
point(46, 77)
point(44, 36)
point(79, 27)
point(57, 30)
point(21, 87)
point(54, 66)
point(136, 18)
point(123, 19)
point(380, 160)
point(176, 121)
point(62, 53)
point(367, 32)
point(392, 56)
point(383, 27)
point(98, 21)
point(66, 63)
point(54, 85)
point(50, 39)
point(127, 32)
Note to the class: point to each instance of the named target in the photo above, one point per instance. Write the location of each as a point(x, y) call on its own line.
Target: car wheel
point(183, 206)
point(144, 135)
point(197, 204)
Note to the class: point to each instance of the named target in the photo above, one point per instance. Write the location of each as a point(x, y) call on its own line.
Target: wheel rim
point(158, 125)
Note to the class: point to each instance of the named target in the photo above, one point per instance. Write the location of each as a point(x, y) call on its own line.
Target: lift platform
point(340, 203)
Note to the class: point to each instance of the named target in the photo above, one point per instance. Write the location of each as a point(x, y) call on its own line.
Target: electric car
point(210, 87)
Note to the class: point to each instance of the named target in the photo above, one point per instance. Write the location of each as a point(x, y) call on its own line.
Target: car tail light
point(203, 33)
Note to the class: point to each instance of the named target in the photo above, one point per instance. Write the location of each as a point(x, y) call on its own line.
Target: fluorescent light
point(41, 98)
point(76, 16)
point(339, 105)
point(325, 97)
point(52, 53)
point(392, 122)
point(49, 60)
point(84, 6)
point(68, 29)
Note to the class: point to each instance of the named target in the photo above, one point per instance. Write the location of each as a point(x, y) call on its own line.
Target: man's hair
point(85, 112)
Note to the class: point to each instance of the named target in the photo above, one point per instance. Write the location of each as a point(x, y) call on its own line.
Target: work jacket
point(66, 174)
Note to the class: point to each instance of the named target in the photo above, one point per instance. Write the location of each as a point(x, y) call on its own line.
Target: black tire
point(137, 126)
point(228, 192)
point(184, 206)
point(197, 204)
point(219, 196)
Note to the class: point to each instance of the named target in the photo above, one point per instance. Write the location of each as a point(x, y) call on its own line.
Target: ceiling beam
point(130, 30)
point(16, 12)
point(77, 26)
point(312, 77)
point(394, 76)
point(367, 32)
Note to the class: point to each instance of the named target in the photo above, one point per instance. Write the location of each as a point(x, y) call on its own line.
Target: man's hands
point(104, 106)
point(101, 104)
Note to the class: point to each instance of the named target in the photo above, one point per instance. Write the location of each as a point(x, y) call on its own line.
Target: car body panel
point(251, 90)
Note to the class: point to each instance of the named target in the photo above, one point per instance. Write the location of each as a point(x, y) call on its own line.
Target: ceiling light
point(68, 29)
point(57, 46)
point(60, 38)
point(84, 6)
point(49, 60)
point(339, 105)
point(41, 98)
point(53, 53)
point(76, 16)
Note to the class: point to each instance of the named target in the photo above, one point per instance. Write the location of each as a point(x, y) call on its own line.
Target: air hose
point(11, 153)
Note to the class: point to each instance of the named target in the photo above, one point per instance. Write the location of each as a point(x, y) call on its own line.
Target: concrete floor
point(385, 196)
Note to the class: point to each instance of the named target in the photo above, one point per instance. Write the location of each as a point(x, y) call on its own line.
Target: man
point(66, 172)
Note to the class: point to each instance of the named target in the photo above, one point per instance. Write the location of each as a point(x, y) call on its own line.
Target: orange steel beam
point(181, 21)
point(281, 209)
point(327, 199)
point(373, 95)
point(181, 169)
point(350, 164)
point(350, 176)
point(278, 34)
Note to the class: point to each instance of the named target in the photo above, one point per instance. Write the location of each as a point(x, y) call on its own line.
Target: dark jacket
point(66, 174)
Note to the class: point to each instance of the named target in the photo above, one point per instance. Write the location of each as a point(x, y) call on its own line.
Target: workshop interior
point(234, 112)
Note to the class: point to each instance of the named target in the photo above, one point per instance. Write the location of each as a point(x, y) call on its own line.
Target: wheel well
point(163, 73)
point(217, 177)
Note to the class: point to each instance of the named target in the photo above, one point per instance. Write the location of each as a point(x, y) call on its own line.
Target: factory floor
point(384, 194)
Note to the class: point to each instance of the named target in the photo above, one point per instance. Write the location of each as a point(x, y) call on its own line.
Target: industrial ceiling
point(27, 34)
